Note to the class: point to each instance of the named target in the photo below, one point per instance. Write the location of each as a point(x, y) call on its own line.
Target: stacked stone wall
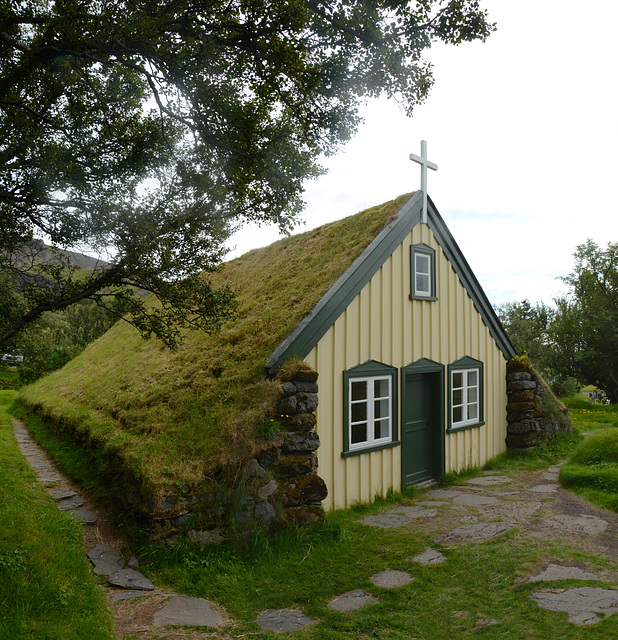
point(300, 490)
point(534, 414)
point(279, 486)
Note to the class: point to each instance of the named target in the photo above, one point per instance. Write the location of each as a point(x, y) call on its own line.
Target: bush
point(9, 378)
point(565, 386)
point(44, 355)
point(58, 337)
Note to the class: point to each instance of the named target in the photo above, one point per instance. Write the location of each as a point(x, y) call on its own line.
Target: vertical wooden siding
point(383, 324)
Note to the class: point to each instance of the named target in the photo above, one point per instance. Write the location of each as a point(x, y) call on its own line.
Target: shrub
point(565, 386)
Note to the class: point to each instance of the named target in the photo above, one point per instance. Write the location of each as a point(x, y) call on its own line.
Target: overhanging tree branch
point(151, 130)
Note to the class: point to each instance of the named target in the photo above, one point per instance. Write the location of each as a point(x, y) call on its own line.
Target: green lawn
point(47, 591)
point(592, 470)
point(479, 583)
point(457, 599)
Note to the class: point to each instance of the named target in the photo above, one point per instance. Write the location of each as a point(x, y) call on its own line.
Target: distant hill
point(37, 252)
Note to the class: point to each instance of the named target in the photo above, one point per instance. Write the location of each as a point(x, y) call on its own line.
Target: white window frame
point(422, 256)
point(370, 419)
point(466, 402)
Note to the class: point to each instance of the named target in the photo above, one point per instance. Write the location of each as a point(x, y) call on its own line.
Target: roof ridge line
point(322, 316)
point(317, 322)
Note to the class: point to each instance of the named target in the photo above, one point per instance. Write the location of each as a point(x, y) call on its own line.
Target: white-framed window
point(464, 397)
point(370, 411)
point(422, 272)
point(466, 394)
point(370, 408)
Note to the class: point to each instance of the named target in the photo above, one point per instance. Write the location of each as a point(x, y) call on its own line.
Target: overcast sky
point(524, 130)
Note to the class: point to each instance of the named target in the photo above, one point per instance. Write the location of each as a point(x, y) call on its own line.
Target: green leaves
point(141, 128)
point(585, 329)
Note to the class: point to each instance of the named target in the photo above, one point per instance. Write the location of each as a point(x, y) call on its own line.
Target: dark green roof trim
point(320, 319)
point(424, 365)
point(467, 277)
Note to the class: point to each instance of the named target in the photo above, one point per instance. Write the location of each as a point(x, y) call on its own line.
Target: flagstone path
point(137, 605)
point(480, 509)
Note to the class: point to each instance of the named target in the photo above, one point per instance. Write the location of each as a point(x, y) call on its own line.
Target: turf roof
point(177, 417)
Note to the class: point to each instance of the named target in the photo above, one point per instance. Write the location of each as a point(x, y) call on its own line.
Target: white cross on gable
point(425, 164)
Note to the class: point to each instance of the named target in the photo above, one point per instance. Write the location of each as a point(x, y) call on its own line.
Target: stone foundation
point(277, 487)
point(534, 414)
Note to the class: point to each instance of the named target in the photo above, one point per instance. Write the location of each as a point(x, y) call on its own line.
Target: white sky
point(524, 130)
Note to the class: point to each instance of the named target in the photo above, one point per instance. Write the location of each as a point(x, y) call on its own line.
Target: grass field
point(9, 378)
point(480, 583)
point(47, 591)
point(592, 470)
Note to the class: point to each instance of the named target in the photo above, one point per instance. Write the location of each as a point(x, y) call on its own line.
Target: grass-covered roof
point(179, 416)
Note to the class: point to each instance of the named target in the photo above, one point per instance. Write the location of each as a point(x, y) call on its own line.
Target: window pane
point(422, 283)
point(370, 411)
point(380, 389)
point(457, 414)
point(359, 411)
point(359, 390)
point(359, 433)
point(381, 429)
point(457, 397)
point(465, 397)
point(380, 409)
point(422, 263)
point(457, 380)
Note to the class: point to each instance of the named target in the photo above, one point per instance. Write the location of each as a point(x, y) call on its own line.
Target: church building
point(411, 361)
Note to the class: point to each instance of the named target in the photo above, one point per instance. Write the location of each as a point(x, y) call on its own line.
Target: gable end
point(467, 277)
point(319, 320)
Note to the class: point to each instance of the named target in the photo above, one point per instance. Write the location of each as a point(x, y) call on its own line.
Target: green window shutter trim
point(371, 368)
point(459, 365)
point(430, 252)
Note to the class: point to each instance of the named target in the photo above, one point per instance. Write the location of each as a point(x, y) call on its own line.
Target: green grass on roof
point(184, 414)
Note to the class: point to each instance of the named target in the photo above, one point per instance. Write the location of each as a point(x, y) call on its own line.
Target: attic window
point(370, 408)
point(423, 272)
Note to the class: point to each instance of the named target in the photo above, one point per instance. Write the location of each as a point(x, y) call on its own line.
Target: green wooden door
point(420, 436)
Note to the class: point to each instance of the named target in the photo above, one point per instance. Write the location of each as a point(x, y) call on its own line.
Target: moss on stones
point(534, 414)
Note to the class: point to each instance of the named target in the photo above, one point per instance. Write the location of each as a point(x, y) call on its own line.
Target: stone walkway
point(491, 505)
point(478, 510)
point(138, 606)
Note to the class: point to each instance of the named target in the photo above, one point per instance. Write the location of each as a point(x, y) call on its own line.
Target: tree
point(148, 130)
point(527, 328)
point(56, 337)
point(584, 330)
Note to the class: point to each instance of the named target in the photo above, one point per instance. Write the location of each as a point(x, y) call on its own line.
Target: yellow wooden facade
point(383, 324)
